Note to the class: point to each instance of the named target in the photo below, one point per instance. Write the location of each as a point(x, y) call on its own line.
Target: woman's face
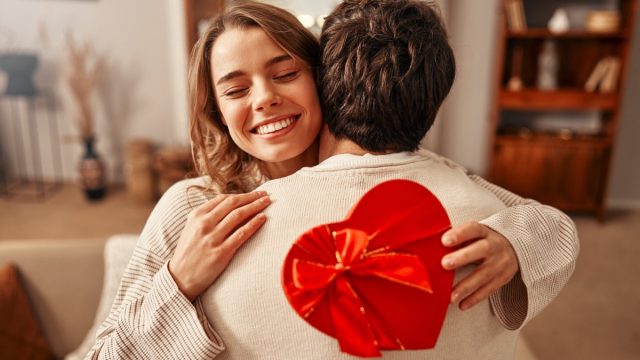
point(268, 100)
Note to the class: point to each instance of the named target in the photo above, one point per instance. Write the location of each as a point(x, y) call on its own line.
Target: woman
point(255, 116)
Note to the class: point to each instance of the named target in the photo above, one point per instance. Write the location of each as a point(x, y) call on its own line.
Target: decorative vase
point(92, 172)
point(548, 64)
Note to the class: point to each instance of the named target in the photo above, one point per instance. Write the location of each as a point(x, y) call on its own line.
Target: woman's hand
point(211, 236)
point(492, 252)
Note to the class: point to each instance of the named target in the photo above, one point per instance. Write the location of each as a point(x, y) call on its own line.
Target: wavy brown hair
point(214, 152)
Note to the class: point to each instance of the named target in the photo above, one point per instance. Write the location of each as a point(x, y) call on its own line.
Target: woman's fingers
point(211, 204)
point(230, 203)
point(237, 217)
point(469, 254)
point(243, 233)
point(479, 294)
point(464, 233)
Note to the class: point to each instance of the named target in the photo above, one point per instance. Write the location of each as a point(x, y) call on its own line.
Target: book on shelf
point(604, 76)
point(610, 80)
point(516, 19)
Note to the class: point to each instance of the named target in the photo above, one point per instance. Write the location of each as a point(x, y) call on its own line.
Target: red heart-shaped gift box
point(374, 281)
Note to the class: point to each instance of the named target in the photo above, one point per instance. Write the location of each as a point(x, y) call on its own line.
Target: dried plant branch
point(83, 77)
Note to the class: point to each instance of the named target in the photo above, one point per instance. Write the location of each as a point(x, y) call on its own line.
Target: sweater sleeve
point(546, 244)
point(150, 317)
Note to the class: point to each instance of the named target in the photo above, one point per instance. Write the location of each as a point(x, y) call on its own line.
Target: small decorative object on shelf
point(559, 22)
point(92, 172)
point(548, 66)
point(603, 21)
point(515, 81)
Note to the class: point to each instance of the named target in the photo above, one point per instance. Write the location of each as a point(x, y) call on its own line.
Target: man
point(387, 67)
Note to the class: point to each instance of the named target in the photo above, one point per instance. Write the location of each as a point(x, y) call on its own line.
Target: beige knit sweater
point(245, 315)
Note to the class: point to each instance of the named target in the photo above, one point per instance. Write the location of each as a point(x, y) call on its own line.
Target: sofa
point(70, 285)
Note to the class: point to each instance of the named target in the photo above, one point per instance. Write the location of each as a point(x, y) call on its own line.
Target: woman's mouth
point(275, 126)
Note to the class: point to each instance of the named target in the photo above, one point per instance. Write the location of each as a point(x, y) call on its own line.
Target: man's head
point(386, 68)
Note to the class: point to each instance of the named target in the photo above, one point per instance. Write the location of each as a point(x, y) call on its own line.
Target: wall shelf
point(573, 34)
point(563, 99)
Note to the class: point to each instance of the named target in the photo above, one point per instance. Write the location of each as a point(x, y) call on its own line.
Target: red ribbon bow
point(374, 280)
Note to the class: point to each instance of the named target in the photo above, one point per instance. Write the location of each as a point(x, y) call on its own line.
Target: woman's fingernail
point(447, 263)
point(454, 297)
point(447, 240)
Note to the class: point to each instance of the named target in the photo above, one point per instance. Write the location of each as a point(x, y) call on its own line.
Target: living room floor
point(594, 317)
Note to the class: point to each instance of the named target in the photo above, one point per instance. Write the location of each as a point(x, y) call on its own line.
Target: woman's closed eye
point(286, 76)
point(235, 92)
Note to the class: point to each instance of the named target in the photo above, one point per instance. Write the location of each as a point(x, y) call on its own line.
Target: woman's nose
point(266, 97)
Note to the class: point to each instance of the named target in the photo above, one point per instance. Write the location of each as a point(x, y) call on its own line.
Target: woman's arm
point(153, 315)
point(525, 254)
point(545, 241)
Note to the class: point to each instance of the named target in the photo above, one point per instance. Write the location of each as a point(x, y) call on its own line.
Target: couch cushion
point(117, 252)
point(59, 275)
point(20, 333)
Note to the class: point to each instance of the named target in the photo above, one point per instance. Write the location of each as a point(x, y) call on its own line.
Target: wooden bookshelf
point(196, 11)
point(564, 168)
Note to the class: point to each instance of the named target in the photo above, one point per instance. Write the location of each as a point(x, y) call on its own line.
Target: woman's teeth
point(274, 126)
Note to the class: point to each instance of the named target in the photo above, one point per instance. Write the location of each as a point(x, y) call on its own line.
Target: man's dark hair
point(386, 68)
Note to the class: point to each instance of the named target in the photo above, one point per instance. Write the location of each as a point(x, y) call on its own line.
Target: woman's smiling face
point(267, 99)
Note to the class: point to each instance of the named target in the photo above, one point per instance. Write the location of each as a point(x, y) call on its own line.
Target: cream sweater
point(245, 310)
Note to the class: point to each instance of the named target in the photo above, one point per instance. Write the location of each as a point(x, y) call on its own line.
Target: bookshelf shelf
point(563, 99)
point(572, 34)
point(552, 140)
point(556, 145)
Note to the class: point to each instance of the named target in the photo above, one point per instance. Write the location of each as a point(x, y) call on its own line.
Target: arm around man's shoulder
point(150, 317)
point(545, 241)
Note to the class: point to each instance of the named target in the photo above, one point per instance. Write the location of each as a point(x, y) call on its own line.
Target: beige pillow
point(117, 252)
point(20, 334)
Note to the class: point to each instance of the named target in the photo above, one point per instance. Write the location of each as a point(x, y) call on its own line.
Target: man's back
point(248, 308)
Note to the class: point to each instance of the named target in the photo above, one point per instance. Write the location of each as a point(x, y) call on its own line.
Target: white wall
point(465, 115)
point(142, 94)
point(624, 185)
point(146, 93)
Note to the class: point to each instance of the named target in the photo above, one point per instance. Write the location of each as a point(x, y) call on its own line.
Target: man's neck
point(330, 146)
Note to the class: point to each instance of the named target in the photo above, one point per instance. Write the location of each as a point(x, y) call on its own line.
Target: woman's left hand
point(492, 252)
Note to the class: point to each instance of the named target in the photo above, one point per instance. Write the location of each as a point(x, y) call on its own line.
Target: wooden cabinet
point(555, 145)
point(196, 11)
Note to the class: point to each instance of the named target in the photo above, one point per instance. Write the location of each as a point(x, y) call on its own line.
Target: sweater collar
point(350, 161)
